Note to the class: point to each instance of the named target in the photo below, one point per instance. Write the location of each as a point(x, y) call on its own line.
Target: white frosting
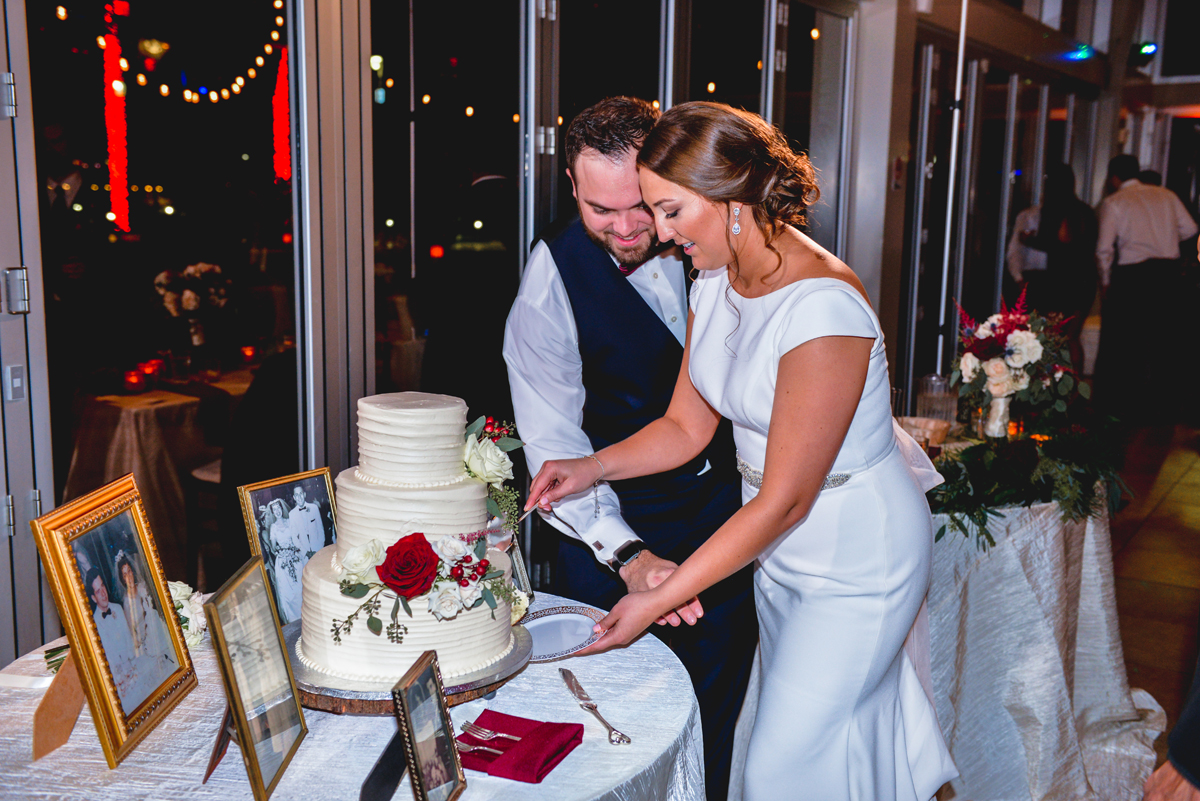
point(470, 641)
point(371, 511)
point(411, 438)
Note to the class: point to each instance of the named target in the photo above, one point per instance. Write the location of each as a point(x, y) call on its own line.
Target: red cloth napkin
point(541, 748)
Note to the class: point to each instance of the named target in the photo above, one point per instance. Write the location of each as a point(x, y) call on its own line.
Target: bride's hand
point(632, 615)
point(560, 478)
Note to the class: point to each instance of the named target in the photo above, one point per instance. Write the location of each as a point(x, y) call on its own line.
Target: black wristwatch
point(626, 554)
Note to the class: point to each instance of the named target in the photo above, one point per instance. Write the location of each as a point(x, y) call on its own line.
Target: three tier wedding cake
point(411, 569)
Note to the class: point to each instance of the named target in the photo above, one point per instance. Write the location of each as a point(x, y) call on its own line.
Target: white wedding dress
point(841, 712)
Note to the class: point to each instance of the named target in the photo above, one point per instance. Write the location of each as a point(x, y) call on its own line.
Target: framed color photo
point(433, 764)
point(258, 676)
point(288, 520)
point(111, 594)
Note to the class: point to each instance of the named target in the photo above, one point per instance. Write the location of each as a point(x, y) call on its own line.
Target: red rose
point(409, 567)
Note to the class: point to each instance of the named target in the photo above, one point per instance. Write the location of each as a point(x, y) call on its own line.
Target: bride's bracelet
point(596, 483)
point(592, 456)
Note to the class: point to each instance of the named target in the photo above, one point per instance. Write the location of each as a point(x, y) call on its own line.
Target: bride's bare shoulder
point(814, 261)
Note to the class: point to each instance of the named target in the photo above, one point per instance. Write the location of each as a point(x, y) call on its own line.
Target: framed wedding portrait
point(258, 676)
point(108, 584)
point(434, 767)
point(288, 520)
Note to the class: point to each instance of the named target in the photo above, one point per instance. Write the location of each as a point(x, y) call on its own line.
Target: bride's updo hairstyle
point(730, 156)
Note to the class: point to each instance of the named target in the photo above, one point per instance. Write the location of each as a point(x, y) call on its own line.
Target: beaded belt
point(754, 477)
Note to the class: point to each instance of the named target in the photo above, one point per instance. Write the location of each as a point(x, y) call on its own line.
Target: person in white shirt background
point(593, 346)
point(1143, 294)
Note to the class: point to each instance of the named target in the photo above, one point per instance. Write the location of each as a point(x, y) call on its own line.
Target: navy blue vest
point(631, 360)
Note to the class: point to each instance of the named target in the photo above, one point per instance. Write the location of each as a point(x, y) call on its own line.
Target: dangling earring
point(737, 226)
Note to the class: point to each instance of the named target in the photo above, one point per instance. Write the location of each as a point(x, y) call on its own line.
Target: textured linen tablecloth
point(1028, 669)
point(159, 438)
point(643, 690)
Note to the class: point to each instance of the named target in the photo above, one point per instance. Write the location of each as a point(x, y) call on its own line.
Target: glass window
point(812, 116)
point(726, 53)
point(588, 70)
point(167, 224)
point(447, 267)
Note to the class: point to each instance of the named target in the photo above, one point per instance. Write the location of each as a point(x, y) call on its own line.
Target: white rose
point(470, 593)
point(193, 638)
point(444, 602)
point(360, 560)
point(1023, 348)
point(191, 301)
point(519, 605)
point(451, 549)
point(197, 621)
point(1000, 387)
point(1020, 380)
point(487, 461)
point(179, 591)
point(995, 369)
point(968, 365)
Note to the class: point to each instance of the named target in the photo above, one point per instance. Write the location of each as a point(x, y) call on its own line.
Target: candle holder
point(135, 381)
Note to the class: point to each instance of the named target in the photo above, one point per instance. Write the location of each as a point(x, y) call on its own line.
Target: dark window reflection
point(159, 317)
point(727, 48)
point(606, 49)
point(442, 300)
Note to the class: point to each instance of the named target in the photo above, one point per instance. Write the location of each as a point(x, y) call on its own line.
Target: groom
point(594, 344)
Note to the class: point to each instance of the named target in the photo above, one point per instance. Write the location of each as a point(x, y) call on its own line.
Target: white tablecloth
point(642, 690)
point(1028, 669)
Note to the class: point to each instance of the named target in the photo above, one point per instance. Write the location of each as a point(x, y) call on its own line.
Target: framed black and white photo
point(434, 768)
point(258, 676)
point(108, 583)
point(288, 520)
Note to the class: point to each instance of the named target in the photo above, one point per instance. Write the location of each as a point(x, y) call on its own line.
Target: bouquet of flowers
point(454, 571)
point(1015, 354)
point(200, 290)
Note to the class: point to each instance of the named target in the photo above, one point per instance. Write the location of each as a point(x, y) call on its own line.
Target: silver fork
point(466, 749)
point(476, 730)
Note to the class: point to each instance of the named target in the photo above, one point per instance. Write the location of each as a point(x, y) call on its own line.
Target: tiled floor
point(1156, 553)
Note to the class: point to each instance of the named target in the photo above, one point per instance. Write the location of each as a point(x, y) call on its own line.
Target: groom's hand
point(646, 572)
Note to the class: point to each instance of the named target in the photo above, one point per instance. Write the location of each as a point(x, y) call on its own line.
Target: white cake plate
point(328, 693)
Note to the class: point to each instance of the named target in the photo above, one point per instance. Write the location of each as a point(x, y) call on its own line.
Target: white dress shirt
point(545, 372)
point(1020, 257)
point(1140, 222)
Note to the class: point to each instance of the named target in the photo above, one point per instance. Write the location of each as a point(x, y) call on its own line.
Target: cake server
point(585, 701)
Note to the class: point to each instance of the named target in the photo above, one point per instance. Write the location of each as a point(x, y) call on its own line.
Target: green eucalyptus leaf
point(375, 625)
point(507, 444)
point(493, 507)
point(478, 602)
point(941, 532)
point(356, 590)
point(488, 597)
point(396, 610)
point(475, 428)
point(481, 546)
point(1060, 406)
point(493, 574)
point(1085, 390)
point(404, 603)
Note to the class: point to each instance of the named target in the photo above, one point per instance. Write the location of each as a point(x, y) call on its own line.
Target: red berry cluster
point(459, 571)
point(496, 430)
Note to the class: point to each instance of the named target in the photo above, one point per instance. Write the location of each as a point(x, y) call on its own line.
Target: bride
point(783, 341)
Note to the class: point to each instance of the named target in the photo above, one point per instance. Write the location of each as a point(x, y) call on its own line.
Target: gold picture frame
point(428, 732)
point(125, 637)
point(272, 521)
point(257, 672)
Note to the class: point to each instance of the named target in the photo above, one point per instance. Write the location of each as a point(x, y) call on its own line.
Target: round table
point(643, 690)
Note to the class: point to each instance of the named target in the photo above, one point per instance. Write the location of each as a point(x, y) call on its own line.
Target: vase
point(996, 424)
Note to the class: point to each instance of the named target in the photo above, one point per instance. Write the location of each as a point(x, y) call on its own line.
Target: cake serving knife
point(615, 737)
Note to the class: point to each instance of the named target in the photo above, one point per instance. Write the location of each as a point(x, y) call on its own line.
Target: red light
point(287, 239)
point(453, 62)
point(150, 64)
point(437, 251)
point(120, 8)
point(115, 126)
point(282, 124)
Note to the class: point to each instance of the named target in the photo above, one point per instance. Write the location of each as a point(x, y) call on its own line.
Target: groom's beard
point(630, 257)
